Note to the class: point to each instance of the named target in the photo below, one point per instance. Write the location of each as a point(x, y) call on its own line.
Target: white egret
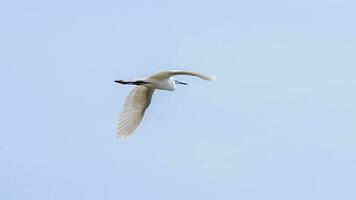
point(140, 97)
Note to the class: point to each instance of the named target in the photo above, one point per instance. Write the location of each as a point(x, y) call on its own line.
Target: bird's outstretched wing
point(167, 74)
point(134, 109)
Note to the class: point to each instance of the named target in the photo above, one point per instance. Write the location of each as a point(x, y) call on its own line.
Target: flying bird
point(140, 97)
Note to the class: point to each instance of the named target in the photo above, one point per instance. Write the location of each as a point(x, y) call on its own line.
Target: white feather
point(140, 97)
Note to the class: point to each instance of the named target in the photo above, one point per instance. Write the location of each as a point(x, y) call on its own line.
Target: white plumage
point(140, 97)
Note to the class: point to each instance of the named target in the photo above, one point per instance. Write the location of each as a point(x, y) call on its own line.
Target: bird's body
point(140, 97)
point(162, 84)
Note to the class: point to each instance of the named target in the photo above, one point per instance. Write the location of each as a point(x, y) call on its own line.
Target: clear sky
point(278, 122)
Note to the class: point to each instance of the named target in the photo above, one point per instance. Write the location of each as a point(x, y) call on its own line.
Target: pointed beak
point(182, 83)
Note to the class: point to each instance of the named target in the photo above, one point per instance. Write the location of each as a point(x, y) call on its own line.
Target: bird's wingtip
point(212, 78)
point(121, 137)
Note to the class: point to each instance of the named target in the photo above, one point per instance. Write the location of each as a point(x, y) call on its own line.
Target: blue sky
point(277, 123)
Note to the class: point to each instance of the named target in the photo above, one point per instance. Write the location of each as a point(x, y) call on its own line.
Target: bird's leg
point(140, 82)
point(131, 82)
point(125, 82)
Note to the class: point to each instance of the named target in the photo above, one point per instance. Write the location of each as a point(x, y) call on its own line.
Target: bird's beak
point(182, 83)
